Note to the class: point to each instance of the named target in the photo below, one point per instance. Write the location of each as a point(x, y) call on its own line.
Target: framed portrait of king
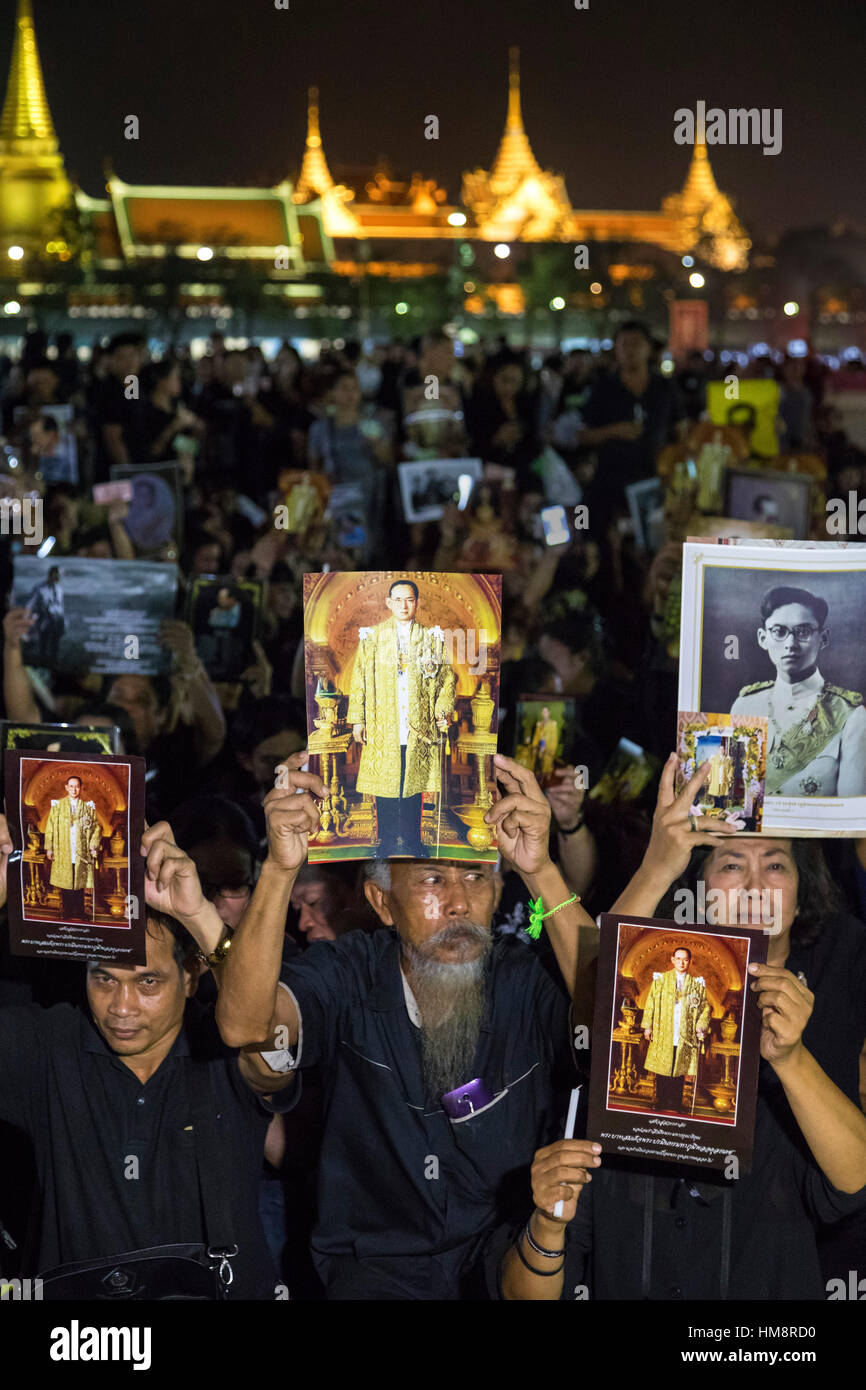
point(676, 1041)
point(402, 693)
point(76, 878)
point(777, 631)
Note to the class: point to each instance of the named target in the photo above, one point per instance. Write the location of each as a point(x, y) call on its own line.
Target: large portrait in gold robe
point(402, 694)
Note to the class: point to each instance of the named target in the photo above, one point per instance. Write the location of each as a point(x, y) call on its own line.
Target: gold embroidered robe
point(658, 1014)
point(65, 874)
point(373, 703)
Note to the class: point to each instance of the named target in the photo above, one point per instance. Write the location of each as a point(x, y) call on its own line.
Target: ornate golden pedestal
point(478, 746)
point(625, 1077)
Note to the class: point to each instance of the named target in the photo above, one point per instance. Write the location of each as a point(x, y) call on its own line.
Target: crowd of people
point(328, 1008)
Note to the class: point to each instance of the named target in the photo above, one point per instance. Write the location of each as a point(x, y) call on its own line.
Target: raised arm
point(671, 843)
point(251, 1007)
point(17, 691)
point(522, 821)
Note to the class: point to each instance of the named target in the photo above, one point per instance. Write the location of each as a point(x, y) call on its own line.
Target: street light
point(791, 308)
point(12, 307)
point(688, 261)
point(15, 253)
point(696, 280)
point(204, 253)
point(401, 308)
point(557, 302)
point(595, 287)
point(457, 219)
point(502, 250)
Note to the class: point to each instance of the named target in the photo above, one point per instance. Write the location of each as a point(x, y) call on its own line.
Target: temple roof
point(25, 111)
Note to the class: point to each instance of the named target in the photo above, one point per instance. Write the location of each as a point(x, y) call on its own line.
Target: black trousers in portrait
point(669, 1092)
point(399, 820)
point(72, 904)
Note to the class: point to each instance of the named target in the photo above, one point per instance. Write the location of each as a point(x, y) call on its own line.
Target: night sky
point(219, 87)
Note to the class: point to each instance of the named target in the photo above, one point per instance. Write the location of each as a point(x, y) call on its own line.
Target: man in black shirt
point(630, 415)
point(117, 406)
point(437, 1049)
point(107, 1099)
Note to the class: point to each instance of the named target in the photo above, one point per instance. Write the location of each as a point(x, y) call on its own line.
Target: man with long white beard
point(438, 1047)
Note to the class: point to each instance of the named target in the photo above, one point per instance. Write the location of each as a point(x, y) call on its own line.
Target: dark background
point(732, 601)
point(219, 87)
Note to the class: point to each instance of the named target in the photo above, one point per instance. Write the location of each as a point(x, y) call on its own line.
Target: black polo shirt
point(88, 1116)
point(406, 1196)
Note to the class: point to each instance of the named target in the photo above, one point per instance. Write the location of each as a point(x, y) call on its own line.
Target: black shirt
point(647, 1231)
point(88, 1114)
point(623, 461)
point(403, 1190)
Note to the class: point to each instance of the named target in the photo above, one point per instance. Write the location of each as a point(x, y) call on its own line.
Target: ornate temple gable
point(32, 178)
point(704, 218)
point(517, 198)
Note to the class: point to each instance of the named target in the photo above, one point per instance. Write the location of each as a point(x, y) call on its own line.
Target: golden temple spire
point(514, 158)
point(514, 120)
point(700, 187)
point(315, 176)
point(25, 111)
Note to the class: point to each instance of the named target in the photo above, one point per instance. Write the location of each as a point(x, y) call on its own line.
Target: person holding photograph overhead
point(72, 839)
point(817, 731)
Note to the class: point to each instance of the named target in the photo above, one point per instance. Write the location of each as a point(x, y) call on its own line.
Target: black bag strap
point(214, 1177)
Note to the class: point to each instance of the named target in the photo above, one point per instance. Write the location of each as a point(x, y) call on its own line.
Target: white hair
point(378, 871)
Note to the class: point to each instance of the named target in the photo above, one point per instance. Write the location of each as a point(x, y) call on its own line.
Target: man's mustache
point(456, 931)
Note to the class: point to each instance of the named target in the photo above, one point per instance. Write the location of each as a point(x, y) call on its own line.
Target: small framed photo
point(426, 485)
point(225, 616)
point(676, 1042)
point(646, 505)
point(770, 498)
point(57, 738)
point(545, 729)
point(626, 776)
point(155, 517)
point(735, 746)
point(76, 878)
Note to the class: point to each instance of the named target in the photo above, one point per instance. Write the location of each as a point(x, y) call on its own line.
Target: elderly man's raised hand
point(522, 818)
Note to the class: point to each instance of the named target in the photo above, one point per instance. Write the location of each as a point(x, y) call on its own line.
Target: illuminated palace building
point(373, 252)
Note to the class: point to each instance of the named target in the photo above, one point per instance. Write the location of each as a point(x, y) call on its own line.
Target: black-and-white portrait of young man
point(816, 725)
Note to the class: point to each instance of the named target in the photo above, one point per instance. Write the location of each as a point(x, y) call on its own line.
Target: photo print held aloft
point(735, 746)
point(778, 632)
point(402, 691)
point(676, 1042)
point(545, 729)
point(76, 878)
